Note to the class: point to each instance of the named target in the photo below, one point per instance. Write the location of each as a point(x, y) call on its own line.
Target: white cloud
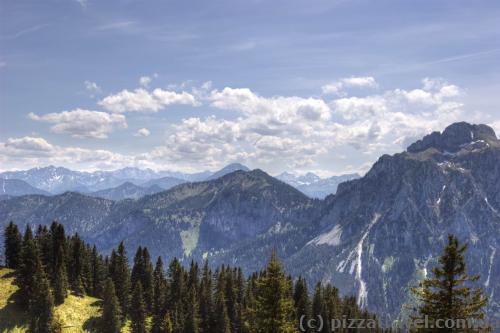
point(143, 132)
point(285, 132)
point(37, 151)
point(296, 132)
point(82, 123)
point(26, 145)
point(144, 81)
point(361, 81)
point(338, 87)
point(141, 100)
point(92, 88)
point(278, 109)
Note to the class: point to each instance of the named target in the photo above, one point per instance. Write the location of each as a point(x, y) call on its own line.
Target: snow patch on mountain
point(331, 237)
point(492, 256)
point(355, 257)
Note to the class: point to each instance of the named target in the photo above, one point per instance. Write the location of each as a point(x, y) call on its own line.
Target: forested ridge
point(162, 297)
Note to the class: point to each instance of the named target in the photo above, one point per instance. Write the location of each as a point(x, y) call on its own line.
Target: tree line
point(163, 299)
point(160, 298)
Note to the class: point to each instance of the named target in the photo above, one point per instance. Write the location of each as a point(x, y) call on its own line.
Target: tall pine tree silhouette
point(29, 265)
point(138, 310)
point(111, 312)
point(41, 308)
point(445, 296)
point(13, 244)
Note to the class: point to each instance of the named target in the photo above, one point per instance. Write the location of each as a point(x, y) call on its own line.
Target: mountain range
point(376, 237)
point(315, 186)
point(134, 183)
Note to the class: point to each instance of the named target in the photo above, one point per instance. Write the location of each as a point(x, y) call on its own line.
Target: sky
point(282, 85)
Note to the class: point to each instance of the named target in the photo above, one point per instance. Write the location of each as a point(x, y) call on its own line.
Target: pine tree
point(44, 245)
point(147, 279)
point(221, 322)
point(13, 244)
point(120, 274)
point(191, 323)
point(137, 268)
point(274, 310)
point(142, 272)
point(159, 298)
point(98, 274)
point(29, 265)
point(301, 301)
point(332, 306)
point(206, 301)
point(138, 310)
point(445, 295)
point(75, 265)
point(176, 298)
point(41, 308)
point(230, 295)
point(111, 312)
point(60, 285)
point(240, 296)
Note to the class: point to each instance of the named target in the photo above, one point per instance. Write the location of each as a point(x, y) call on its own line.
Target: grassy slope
point(77, 314)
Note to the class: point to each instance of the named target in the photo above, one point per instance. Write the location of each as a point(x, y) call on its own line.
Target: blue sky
point(324, 86)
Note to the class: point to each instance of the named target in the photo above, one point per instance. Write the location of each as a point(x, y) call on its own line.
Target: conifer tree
point(44, 245)
point(137, 268)
point(159, 299)
point(206, 301)
point(176, 299)
point(29, 265)
point(138, 310)
point(98, 273)
point(221, 322)
point(120, 274)
point(191, 323)
point(41, 308)
point(60, 285)
point(58, 247)
point(76, 265)
point(274, 310)
point(230, 294)
point(111, 312)
point(445, 295)
point(301, 300)
point(13, 244)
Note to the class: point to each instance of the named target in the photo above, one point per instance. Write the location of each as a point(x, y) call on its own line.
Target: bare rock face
point(382, 233)
point(454, 137)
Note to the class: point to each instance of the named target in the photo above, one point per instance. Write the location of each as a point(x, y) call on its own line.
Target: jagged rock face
point(383, 232)
point(454, 137)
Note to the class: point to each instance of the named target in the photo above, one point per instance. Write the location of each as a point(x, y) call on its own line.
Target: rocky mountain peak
point(454, 137)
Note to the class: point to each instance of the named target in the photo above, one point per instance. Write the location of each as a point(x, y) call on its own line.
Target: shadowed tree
point(111, 316)
point(13, 245)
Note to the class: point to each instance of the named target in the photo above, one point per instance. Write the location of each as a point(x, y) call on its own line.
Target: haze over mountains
point(134, 183)
point(375, 238)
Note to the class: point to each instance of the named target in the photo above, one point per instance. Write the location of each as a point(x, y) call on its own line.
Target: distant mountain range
point(16, 187)
point(133, 183)
point(375, 238)
point(314, 186)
